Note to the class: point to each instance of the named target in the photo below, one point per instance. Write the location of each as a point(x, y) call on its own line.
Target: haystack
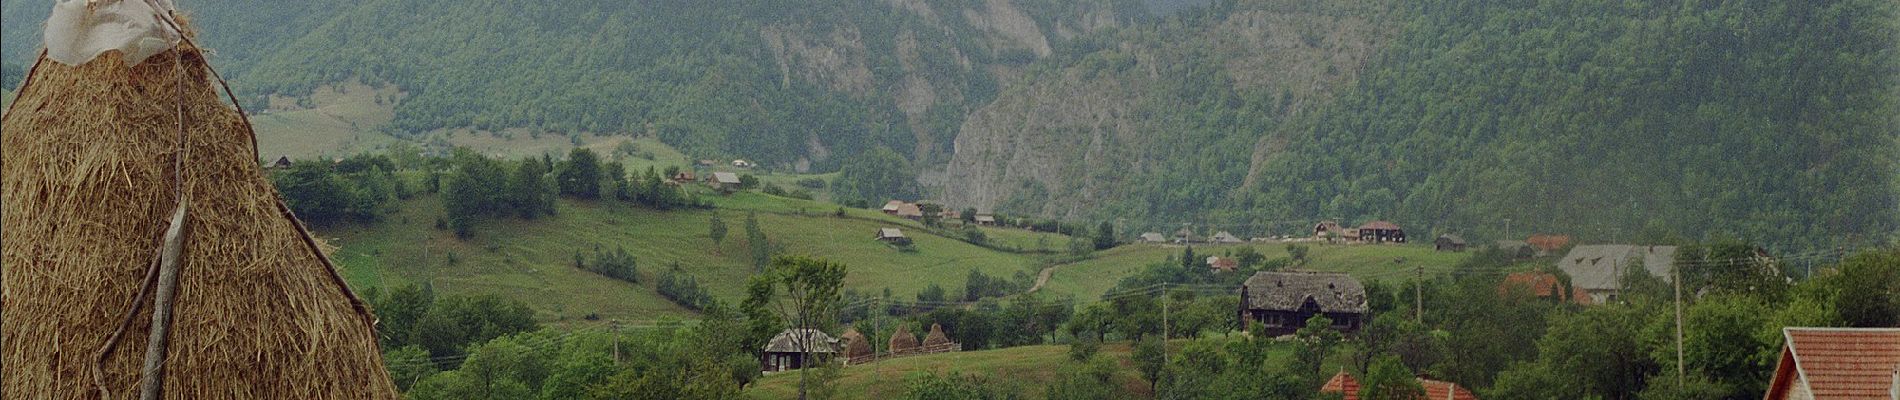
point(855, 345)
point(259, 313)
point(936, 337)
point(903, 341)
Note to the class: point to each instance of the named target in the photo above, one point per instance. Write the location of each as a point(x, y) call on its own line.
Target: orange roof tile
point(1541, 284)
point(1342, 382)
point(1838, 363)
point(1441, 390)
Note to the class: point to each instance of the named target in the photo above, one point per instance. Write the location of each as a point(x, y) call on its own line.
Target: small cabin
point(1449, 242)
point(283, 162)
point(1224, 237)
point(726, 182)
point(892, 235)
point(1153, 237)
point(1381, 232)
point(798, 348)
point(986, 220)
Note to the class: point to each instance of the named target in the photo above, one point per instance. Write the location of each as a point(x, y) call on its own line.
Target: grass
point(1090, 278)
point(532, 261)
point(345, 121)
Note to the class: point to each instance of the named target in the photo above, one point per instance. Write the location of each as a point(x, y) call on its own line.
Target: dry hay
point(855, 345)
point(936, 337)
point(903, 341)
point(88, 156)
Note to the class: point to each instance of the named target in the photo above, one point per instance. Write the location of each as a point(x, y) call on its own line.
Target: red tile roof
point(1540, 284)
point(1837, 363)
point(1441, 390)
point(1342, 382)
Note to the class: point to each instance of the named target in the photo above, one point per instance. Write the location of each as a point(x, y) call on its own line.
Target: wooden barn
point(1283, 301)
point(1381, 232)
point(798, 348)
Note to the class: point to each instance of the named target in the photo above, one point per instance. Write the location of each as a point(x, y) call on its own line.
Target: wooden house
point(1223, 264)
point(283, 162)
point(1327, 230)
point(1226, 238)
point(1449, 242)
point(1283, 301)
point(1837, 363)
point(891, 207)
point(798, 348)
point(1153, 237)
point(986, 220)
point(892, 235)
point(726, 182)
point(1381, 232)
point(684, 177)
point(910, 211)
point(1599, 269)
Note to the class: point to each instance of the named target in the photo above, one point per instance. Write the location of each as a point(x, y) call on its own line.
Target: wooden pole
point(1677, 277)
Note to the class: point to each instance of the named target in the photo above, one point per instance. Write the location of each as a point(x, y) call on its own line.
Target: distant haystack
point(855, 345)
point(903, 341)
point(258, 312)
point(936, 337)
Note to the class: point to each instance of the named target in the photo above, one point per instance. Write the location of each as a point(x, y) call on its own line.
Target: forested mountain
point(1609, 120)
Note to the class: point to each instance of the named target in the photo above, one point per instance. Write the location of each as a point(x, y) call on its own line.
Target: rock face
point(1061, 141)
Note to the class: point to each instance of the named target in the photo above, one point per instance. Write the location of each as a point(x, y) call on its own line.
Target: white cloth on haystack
point(80, 30)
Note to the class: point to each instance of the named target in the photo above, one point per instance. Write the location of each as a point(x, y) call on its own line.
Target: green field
point(341, 122)
point(1092, 277)
point(533, 261)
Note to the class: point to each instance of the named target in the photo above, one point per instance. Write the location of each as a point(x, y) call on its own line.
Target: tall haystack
point(258, 313)
point(936, 337)
point(903, 341)
point(855, 345)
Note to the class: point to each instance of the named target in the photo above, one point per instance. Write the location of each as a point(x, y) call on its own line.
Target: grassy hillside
point(533, 261)
point(1032, 368)
point(1090, 278)
point(343, 120)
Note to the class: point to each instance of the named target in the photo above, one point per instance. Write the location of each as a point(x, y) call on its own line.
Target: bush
point(683, 290)
point(616, 264)
point(812, 183)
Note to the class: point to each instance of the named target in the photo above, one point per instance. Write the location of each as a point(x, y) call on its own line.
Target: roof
point(910, 210)
point(893, 205)
point(1223, 263)
point(1342, 382)
point(1549, 242)
point(790, 340)
point(726, 177)
point(985, 218)
point(1600, 267)
point(1288, 291)
point(1455, 239)
point(1225, 237)
point(1837, 363)
point(1441, 390)
point(1153, 237)
point(890, 233)
point(1540, 284)
point(1380, 225)
point(1511, 244)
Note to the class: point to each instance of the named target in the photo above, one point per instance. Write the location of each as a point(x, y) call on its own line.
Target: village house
point(1153, 237)
point(910, 211)
point(797, 348)
point(892, 235)
point(1381, 232)
point(986, 220)
point(1599, 269)
point(741, 164)
point(1518, 249)
point(1541, 285)
point(891, 207)
point(1548, 244)
point(1327, 230)
point(725, 182)
point(1283, 301)
point(1185, 235)
point(283, 162)
point(1449, 242)
point(1344, 384)
point(1227, 238)
point(1837, 363)
point(683, 177)
point(1223, 264)
point(950, 214)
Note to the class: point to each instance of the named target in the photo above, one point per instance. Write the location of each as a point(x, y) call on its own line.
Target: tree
point(873, 177)
point(810, 298)
point(313, 191)
point(1869, 289)
point(718, 231)
point(1105, 236)
point(580, 175)
point(528, 190)
point(1388, 379)
point(755, 239)
point(969, 215)
point(1150, 358)
point(1297, 252)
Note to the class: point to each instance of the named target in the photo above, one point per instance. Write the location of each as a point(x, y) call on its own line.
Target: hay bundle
point(903, 341)
point(88, 191)
point(936, 337)
point(855, 345)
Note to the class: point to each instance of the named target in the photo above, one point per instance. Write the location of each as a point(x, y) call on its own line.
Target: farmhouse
point(726, 182)
point(1599, 269)
point(1344, 384)
point(1548, 244)
point(1381, 232)
point(1186, 235)
point(1223, 264)
point(797, 348)
point(1449, 242)
point(1153, 237)
point(1327, 230)
point(910, 211)
point(684, 177)
point(1541, 285)
point(1227, 238)
point(891, 207)
point(986, 219)
point(741, 164)
point(1836, 363)
point(1283, 301)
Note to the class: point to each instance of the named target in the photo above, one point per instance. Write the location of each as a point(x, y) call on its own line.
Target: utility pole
point(1418, 291)
point(1165, 326)
point(614, 326)
point(1677, 277)
point(1507, 229)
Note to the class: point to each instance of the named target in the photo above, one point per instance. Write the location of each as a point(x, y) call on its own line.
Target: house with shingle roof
point(1227, 238)
point(797, 348)
point(1153, 237)
point(1283, 301)
point(1599, 269)
point(1381, 232)
point(1837, 363)
point(726, 182)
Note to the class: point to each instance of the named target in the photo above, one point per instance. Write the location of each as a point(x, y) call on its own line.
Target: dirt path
point(1044, 277)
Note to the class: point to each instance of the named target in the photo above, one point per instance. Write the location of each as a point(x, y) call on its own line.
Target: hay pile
point(902, 341)
point(88, 181)
point(855, 345)
point(936, 337)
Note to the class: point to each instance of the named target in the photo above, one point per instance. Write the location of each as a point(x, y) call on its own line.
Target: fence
point(920, 350)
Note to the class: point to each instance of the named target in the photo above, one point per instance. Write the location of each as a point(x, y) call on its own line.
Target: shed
point(1836, 363)
point(283, 162)
point(1153, 237)
point(798, 348)
point(684, 177)
point(911, 211)
point(1223, 264)
point(891, 235)
point(1449, 242)
point(726, 182)
point(1327, 230)
point(985, 219)
point(890, 207)
point(1283, 301)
